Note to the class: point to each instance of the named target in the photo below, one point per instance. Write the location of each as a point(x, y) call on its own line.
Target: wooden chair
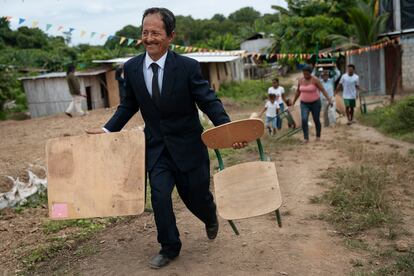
point(248, 189)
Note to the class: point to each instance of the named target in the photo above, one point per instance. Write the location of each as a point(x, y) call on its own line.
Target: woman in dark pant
point(308, 91)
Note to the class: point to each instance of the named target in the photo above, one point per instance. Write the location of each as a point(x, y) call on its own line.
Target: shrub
point(396, 120)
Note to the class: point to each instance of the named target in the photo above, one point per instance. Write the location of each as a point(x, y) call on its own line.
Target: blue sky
point(108, 16)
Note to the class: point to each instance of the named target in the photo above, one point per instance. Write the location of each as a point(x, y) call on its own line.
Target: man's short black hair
point(351, 65)
point(276, 80)
point(166, 15)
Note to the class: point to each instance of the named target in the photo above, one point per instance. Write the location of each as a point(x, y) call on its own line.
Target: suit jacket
point(175, 125)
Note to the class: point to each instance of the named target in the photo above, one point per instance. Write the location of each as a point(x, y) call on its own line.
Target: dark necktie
point(155, 87)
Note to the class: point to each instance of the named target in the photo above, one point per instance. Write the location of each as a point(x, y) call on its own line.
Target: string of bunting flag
point(122, 39)
point(190, 49)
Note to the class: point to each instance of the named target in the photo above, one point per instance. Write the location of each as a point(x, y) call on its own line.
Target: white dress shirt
point(148, 74)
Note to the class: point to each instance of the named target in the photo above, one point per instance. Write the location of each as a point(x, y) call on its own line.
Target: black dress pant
point(193, 188)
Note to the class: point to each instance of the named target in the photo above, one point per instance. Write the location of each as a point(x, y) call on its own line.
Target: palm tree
point(367, 26)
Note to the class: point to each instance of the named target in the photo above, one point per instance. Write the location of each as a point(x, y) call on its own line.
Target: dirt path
point(303, 246)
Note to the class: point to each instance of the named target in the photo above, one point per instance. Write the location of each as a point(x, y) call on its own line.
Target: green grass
point(358, 199)
point(248, 92)
point(36, 200)
point(85, 225)
point(75, 231)
point(396, 120)
point(403, 265)
point(43, 253)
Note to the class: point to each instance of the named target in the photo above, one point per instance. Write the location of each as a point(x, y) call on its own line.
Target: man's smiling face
point(154, 37)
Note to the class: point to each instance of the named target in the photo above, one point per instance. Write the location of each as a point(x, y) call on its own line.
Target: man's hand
point(94, 131)
point(330, 102)
point(239, 145)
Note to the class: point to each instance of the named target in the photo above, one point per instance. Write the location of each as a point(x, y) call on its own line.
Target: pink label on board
point(59, 210)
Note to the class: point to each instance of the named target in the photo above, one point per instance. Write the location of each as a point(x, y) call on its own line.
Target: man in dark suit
point(167, 88)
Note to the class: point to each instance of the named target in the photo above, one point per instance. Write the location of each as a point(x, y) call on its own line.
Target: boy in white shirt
point(272, 111)
point(349, 83)
point(279, 91)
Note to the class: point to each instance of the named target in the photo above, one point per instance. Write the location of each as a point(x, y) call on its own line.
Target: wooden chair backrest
point(224, 136)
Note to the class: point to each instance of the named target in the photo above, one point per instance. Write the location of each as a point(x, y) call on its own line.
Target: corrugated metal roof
point(211, 58)
point(222, 56)
point(63, 74)
point(114, 60)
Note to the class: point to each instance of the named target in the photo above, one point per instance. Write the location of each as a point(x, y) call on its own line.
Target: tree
point(128, 31)
point(366, 26)
point(223, 42)
point(245, 15)
point(302, 34)
point(27, 38)
point(7, 37)
point(218, 17)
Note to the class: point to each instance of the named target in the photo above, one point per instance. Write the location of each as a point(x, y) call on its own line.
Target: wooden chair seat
point(247, 190)
point(96, 175)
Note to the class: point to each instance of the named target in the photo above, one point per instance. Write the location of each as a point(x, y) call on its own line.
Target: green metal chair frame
point(290, 132)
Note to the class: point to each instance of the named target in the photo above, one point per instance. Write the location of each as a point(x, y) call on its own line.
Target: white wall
point(52, 96)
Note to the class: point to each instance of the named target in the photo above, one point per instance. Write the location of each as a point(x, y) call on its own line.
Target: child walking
point(272, 111)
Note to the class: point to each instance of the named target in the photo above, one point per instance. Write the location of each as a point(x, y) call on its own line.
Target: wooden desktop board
point(96, 175)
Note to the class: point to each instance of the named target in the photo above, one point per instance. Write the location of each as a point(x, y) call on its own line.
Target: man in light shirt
point(349, 83)
point(329, 111)
point(279, 91)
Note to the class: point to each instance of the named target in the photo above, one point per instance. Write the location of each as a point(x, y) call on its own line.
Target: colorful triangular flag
point(48, 26)
point(34, 24)
point(102, 36)
point(82, 33)
point(8, 18)
point(71, 30)
point(60, 28)
point(122, 40)
point(130, 40)
point(21, 20)
point(93, 34)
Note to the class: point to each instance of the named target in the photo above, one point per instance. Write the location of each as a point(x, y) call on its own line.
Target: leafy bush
point(10, 89)
point(248, 91)
point(396, 120)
